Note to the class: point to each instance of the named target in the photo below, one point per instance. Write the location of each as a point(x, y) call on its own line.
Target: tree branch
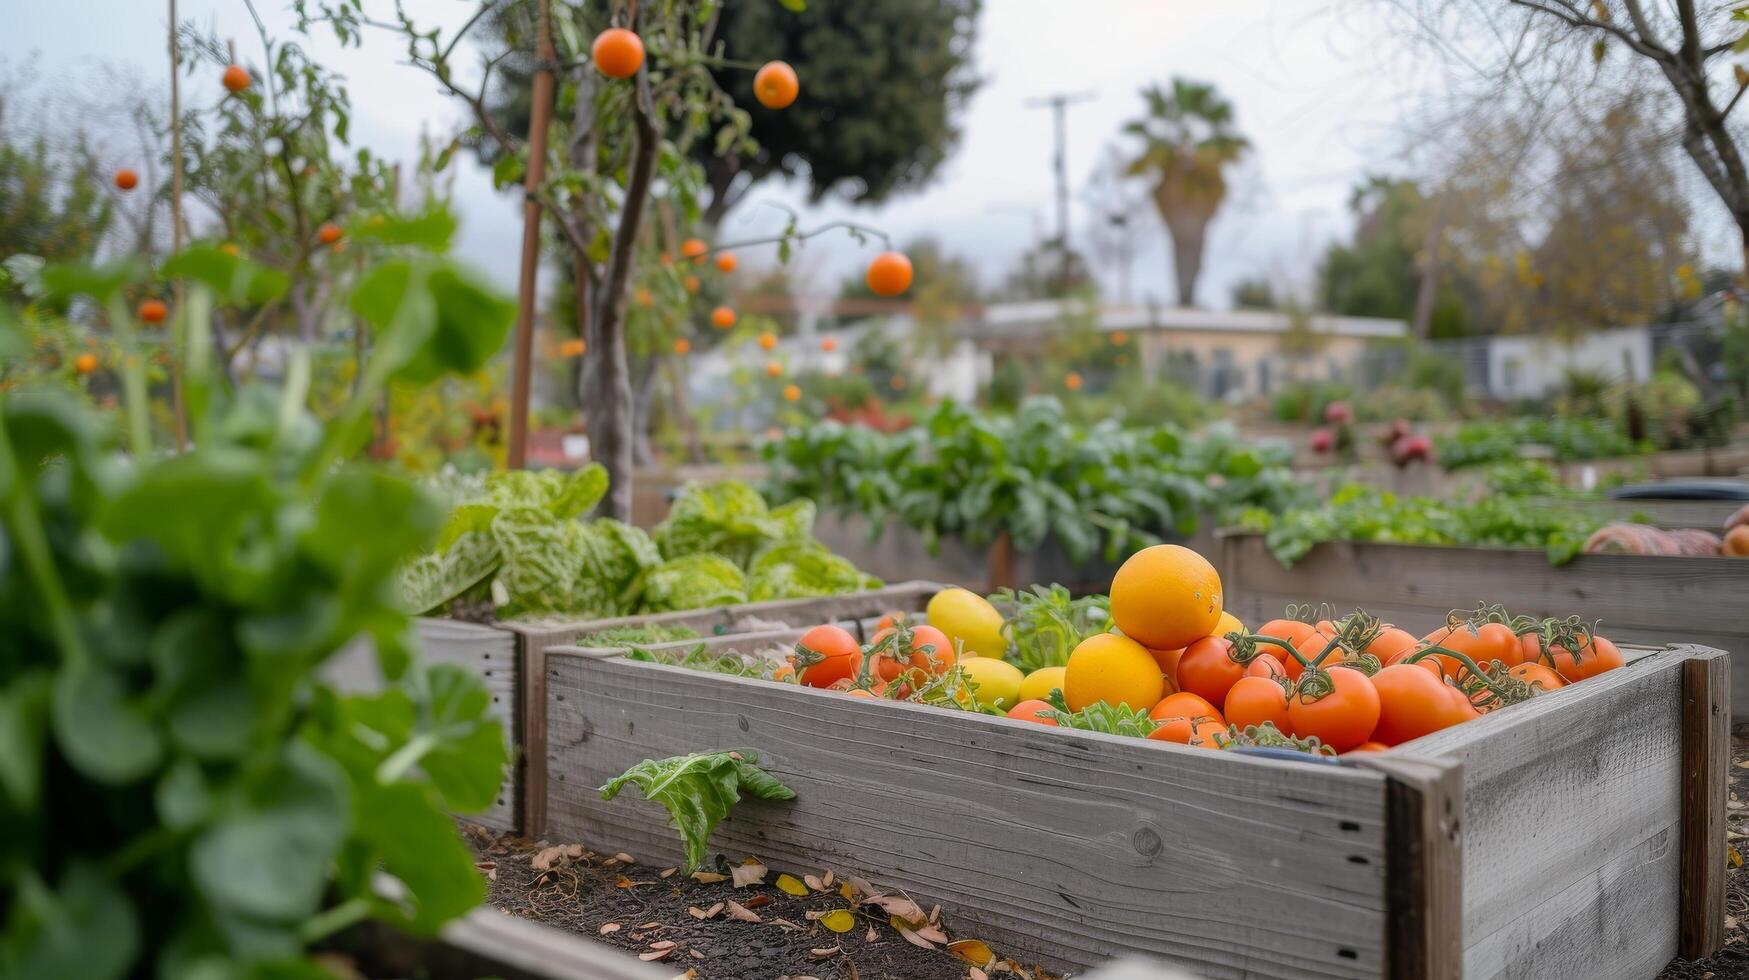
point(1573, 18)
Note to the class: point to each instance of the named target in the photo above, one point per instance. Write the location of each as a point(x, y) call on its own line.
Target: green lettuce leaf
point(699, 790)
point(692, 582)
point(803, 569)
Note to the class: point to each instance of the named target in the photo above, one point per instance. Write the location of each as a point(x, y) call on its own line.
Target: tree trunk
point(1427, 290)
point(643, 397)
point(1187, 242)
point(683, 411)
point(526, 295)
point(609, 402)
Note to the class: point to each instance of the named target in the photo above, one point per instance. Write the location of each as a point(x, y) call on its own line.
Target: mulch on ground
point(1732, 962)
point(661, 914)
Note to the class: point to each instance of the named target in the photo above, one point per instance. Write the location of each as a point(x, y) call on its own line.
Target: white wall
point(1530, 367)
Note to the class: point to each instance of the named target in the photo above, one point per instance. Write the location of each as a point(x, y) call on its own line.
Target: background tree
point(882, 106)
point(1254, 294)
point(1188, 142)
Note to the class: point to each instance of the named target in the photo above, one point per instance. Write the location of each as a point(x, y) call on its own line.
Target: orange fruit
point(828, 345)
point(85, 363)
point(1114, 669)
point(767, 340)
point(690, 283)
point(1119, 338)
point(898, 382)
point(573, 348)
point(1072, 381)
point(667, 259)
point(775, 85)
point(682, 346)
point(1035, 711)
point(889, 274)
point(231, 249)
point(723, 318)
point(236, 78)
point(792, 393)
point(153, 311)
point(126, 179)
point(329, 233)
point(618, 53)
point(774, 369)
point(727, 262)
point(693, 248)
point(1166, 597)
point(645, 297)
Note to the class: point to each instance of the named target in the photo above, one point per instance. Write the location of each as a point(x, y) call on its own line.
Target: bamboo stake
point(517, 456)
point(177, 294)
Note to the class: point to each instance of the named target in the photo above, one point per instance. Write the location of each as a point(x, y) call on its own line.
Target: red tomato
point(1186, 731)
point(1266, 665)
point(1392, 642)
point(1595, 657)
point(1035, 711)
point(1168, 661)
point(1341, 719)
point(1255, 700)
point(841, 656)
point(930, 651)
point(1184, 705)
point(1208, 669)
point(1460, 707)
point(1412, 703)
point(1305, 638)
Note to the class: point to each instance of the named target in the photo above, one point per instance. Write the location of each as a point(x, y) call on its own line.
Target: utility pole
point(1059, 104)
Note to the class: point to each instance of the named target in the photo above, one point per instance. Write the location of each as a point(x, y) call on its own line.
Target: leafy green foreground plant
point(182, 793)
point(699, 790)
point(1044, 625)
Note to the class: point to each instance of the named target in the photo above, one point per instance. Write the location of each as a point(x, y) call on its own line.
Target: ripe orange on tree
point(1166, 597)
point(645, 297)
point(231, 249)
point(690, 283)
point(236, 78)
point(153, 311)
point(723, 318)
point(85, 363)
point(774, 369)
point(828, 345)
point(693, 248)
point(682, 346)
point(1072, 381)
point(889, 274)
point(775, 85)
point(617, 52)
point(768, 340)
point(898, 382)
point(792, 393)
point(573, 347)
point(727, 262)
point(1119, 338)
point(329, 233)
point(126, 179)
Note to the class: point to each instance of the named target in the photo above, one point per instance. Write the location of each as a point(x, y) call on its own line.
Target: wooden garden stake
point(523, 352)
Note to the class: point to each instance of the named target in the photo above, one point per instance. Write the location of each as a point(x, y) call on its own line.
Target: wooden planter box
point(1579, 835)
point(508, 656)
point(1636, 598)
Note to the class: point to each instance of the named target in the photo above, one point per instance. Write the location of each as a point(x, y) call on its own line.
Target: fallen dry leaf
point(742, 912)
point(624, 882)
point(759, 901)
point(814, 882)
point(825, 953)
point(862, 887)
point(709, 913)
point(608, 927)
point(669, 872)
point(977, 974)
point(651, 925)
point(749, 874)
point(790, 886)
point(898, 906)
point(826, 879)
point(695, 954)
point(663, 944)
point(655, 954)
point(839, 920)
point(846, 892)
point(708, 877)
point(973, 951)
point(488, 868)
point(1732, 858)
point(787, 925)
point(910, 936)
point(625, 858)
point(548, 856)
point(872, 936)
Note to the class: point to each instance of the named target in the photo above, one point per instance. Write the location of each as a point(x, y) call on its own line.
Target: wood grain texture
point(484, 651)
point(1424, 802)
point(1637, 598)
point(488, 943)
point(1571, 826)
point(533, 640)
point(1069, 847)
point(1706, 756)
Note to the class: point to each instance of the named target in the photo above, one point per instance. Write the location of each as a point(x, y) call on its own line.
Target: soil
point(1732, 962)
point(584, 893)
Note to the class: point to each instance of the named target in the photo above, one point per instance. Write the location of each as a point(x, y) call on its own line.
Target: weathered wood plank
point(1424, 801)
point(1706, 756)
point(535, 639)
point(1571, 826)
point(1067, 846)
point(488, 943)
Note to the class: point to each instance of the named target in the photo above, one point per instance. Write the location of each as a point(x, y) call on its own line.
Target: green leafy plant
point(1362, 513)
point(1033, 475)
point(699, 657)
point(1044, 625)
point(699, 790)
point(1101, 716)
point(636, 636)
point(182, 791)
point(1481, 443)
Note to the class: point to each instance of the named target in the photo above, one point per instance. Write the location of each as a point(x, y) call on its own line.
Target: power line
point(1059, 103)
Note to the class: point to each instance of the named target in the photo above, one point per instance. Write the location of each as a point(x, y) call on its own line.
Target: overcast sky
point(1321, 87)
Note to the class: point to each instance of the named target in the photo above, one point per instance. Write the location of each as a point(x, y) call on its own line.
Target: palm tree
point(1187, 143)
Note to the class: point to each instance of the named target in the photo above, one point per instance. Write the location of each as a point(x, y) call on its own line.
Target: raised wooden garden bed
point(1579, 835)
point(1636, 598)
point(509, 657)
